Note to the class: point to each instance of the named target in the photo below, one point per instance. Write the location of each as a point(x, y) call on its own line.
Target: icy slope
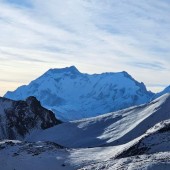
point(73, 95)
point(156, 139)
point(18, 118)
point(110, 129)
point(149, 151)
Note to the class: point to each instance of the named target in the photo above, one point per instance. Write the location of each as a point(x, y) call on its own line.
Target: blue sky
point(95, 36)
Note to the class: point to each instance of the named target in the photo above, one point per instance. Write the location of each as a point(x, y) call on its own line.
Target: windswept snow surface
point(110, 129)
point(20, 155)
point(158, 161)
point(46, 155)
point(156, 139)
point(73, 95)
point(145, 149)
point(32, 156)
point(150, 151)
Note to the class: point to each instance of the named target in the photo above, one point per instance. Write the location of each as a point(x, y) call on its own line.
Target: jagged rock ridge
point(19, 118)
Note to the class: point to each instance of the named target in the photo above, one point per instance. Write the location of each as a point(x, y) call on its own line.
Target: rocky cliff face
point(19, 118)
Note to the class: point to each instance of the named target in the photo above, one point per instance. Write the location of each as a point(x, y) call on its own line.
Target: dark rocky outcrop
point(19, 118)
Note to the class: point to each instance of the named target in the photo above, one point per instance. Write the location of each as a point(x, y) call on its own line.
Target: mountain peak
point(126, 74)
point(71, 69)
point(32, 101)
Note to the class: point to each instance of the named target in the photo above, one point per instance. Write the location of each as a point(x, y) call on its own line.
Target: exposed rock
point(18, 118)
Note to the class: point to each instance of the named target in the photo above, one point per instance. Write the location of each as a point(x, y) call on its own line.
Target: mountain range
point(122, 126)
point(137, 137)
point(72, 95)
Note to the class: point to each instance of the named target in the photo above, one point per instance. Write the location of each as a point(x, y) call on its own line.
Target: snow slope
point(110, 129)
point(149, 151)
point(157, 161)
point(73, 95)
point(144, 148)
point(156, 139)
point(17, 155)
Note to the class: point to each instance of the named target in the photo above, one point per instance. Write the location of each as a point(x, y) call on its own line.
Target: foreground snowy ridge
point(149, 151)
point(123, 138)
point(45, 155)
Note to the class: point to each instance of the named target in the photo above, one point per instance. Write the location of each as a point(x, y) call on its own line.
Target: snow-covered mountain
point(73, 95)
point(19, 118)
point(46, 155)
point(137, 137)
point(111, 129)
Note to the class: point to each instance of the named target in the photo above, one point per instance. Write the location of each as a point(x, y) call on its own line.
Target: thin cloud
point(150, 66)
point(10, 81)
point(95, 36)
point(16, 56)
